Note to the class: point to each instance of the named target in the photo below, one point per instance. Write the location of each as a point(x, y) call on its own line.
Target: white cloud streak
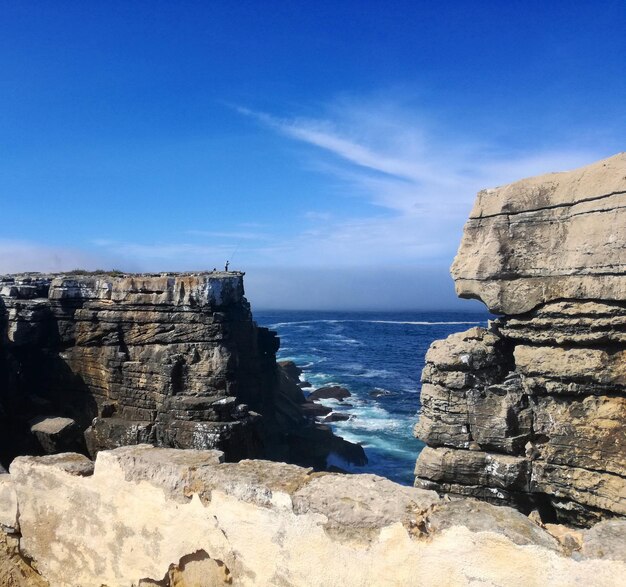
point(419, 186)
point(411, 188)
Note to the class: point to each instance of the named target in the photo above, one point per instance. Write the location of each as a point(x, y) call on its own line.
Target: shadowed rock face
point(531, 412)
point(174, 360)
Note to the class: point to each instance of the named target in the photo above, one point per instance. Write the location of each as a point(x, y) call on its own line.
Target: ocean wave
point(360, 371)
point(421, 323)
point(298, 322)
point(341, 339)
point(410, 322)
point(371, 373)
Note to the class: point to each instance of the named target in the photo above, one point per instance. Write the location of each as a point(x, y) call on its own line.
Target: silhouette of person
point(226, 266)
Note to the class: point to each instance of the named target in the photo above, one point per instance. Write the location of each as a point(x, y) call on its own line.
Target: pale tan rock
point(474, 349)
point(479, 516)
point(564, 323)
point(556, 236)
point(605, 540)
point(15, 571)
point(474, 468)
point(360, 505)
point(8, 503)
point(581, 365)
point(550, 253)
point(570, 539)
point(571, 488)
point(119, 527)
point(587, 432)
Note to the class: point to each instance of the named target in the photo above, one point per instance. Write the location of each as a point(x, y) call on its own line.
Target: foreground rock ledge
point(148, 516)
point(531, 412)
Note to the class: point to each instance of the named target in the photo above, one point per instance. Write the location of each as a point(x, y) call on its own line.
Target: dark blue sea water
point(379, 357)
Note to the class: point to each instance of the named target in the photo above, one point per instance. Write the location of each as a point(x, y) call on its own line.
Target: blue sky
point(332, 150)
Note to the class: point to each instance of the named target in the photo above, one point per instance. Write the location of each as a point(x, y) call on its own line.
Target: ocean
point(379, 357)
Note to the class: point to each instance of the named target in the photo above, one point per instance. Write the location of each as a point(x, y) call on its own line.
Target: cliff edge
point(531, 411)
point(95, 361)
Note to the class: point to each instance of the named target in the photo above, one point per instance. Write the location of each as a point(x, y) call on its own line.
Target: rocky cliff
point(532, 410)
point(155, 517)
point(90, 362)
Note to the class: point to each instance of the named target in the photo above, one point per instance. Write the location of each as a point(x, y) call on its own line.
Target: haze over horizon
point(330, 150)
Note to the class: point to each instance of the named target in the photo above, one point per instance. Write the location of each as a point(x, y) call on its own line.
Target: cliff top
point(565, 188)
point(27, 276)
point(204, 288)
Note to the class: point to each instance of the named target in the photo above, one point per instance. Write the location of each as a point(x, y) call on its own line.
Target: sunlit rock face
point(156, 517)
point(173, 360)
point(532, 411)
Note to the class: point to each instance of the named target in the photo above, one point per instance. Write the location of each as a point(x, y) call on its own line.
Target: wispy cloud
point(237, 236)
point(420, 184)
point(410, 186)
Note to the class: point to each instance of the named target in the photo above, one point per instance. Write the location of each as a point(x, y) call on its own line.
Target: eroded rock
point(164, 517)
point(171, 359)
point(531, 411)
point(553, 237)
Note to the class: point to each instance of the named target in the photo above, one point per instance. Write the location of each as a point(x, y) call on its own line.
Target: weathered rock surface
point(554, 237)
point(57, 434)
point(532, 410)
point(173, 360)
point(163, 517)
point(15, 570)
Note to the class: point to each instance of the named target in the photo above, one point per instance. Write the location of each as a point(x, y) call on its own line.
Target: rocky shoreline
point(528, 413)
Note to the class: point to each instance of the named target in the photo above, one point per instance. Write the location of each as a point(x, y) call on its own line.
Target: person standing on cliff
point(226, 266)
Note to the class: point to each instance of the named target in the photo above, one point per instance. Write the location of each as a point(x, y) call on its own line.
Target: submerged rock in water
point(337, 417)
point(330, 392)
point(314, 409)
point(532, 411)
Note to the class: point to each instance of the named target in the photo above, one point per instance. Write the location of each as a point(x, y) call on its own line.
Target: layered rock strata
point(174, 359)
point(154, 517)
point(532, 410)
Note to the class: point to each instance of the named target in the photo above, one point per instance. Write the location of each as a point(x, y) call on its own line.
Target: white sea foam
point(370, 373)
point(341, 339)
point(421, 323)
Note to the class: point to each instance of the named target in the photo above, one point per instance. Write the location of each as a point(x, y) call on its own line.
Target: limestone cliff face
point(175, 360)
point(532, 411)
point(558, 236)
point(155, 517)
